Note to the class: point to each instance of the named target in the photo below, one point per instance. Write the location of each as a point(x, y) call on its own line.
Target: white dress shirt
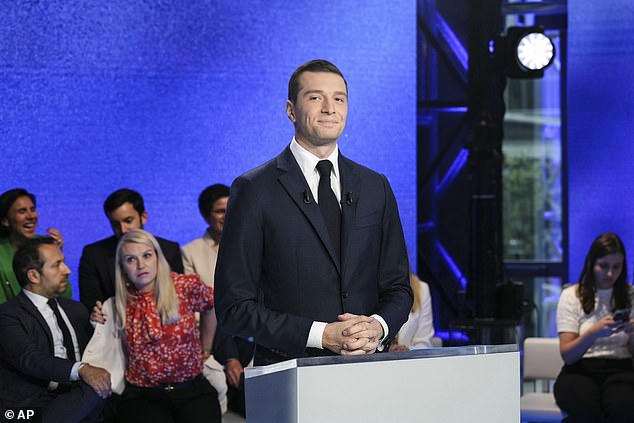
point(307, 162)
point(41, 304)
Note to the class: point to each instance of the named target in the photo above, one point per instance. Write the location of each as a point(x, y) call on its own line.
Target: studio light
point(535, 51)
point(528, 51)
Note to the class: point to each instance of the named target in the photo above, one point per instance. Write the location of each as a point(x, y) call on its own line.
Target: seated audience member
point(155, 310)
point(125, 210)
point(417, 332)
point(234, 354)
point(199, 256)
point(596, 339)
point(42, 339)
point(18, 222)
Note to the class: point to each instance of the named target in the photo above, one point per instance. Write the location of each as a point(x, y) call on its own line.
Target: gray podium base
point(455, 385)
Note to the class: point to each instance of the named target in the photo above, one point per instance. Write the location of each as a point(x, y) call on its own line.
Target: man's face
point(22, 218)
point(52, 281)
point(321, 108)
point(216, 218)
point(125, 219)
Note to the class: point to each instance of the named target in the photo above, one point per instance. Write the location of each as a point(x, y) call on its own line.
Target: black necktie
point(68, 340)
point(329, 205)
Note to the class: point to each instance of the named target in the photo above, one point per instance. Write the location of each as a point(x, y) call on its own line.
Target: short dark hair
point(28, 257)
point(318, 65)
point(209, 196)
point(7, 199)
point(121, 196)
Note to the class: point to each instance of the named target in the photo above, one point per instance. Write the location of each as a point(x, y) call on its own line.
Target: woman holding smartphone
point(596, 339)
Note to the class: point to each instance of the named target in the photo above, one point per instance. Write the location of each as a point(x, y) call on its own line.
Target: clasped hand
point(352, 334)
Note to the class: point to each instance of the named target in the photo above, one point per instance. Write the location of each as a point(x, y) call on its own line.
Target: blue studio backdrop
point(600, 125)
point(167, 97)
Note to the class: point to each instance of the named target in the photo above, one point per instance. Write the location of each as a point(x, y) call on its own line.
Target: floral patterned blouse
point(159, 354)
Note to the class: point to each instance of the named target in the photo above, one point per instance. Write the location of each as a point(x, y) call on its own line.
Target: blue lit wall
point(600, 124)
point(167, 97)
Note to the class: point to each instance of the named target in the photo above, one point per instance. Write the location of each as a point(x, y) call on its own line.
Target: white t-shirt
point(571, 318)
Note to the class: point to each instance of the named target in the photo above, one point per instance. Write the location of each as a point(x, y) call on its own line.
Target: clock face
point(535, 51)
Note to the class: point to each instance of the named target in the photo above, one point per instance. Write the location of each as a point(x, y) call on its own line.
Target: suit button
point(345, 294)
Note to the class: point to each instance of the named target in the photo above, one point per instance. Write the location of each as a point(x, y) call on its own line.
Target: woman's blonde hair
point(164, 292)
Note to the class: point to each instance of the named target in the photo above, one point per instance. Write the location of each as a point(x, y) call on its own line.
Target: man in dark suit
point(42, 338)
point(125, 210)
point(312, 258)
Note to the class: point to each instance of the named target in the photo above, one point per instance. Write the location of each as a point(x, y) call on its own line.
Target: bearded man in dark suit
point(42, 339)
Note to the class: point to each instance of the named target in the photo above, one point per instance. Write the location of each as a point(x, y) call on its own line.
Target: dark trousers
point(73, 403)
point(195, 402)
point(596, 390)
point(235, 398)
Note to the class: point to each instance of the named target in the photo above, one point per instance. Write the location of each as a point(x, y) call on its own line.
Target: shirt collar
point(308, 161)
point(39, 301)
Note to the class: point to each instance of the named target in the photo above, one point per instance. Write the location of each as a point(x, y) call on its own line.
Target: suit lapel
point(350, 192)
point(30, 308)
point(295, 185)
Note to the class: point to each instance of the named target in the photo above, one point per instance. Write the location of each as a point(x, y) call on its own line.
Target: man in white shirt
point(42, 337)
point(199, 256)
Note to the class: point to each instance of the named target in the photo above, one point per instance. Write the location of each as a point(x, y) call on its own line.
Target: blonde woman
point(154, 309)
point(417, 332)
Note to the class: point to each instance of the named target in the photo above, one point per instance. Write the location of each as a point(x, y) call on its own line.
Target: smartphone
point(621, 315)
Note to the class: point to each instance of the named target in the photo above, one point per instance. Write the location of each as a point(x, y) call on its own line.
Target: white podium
point(478, 383)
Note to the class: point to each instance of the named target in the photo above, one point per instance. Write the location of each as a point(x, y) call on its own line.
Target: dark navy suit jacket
point(277, 270)
point(27, 361)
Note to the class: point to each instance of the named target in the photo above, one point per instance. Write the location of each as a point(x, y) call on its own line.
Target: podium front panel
point(477, 383)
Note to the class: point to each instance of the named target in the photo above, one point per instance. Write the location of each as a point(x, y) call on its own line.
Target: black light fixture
point(526, 51)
